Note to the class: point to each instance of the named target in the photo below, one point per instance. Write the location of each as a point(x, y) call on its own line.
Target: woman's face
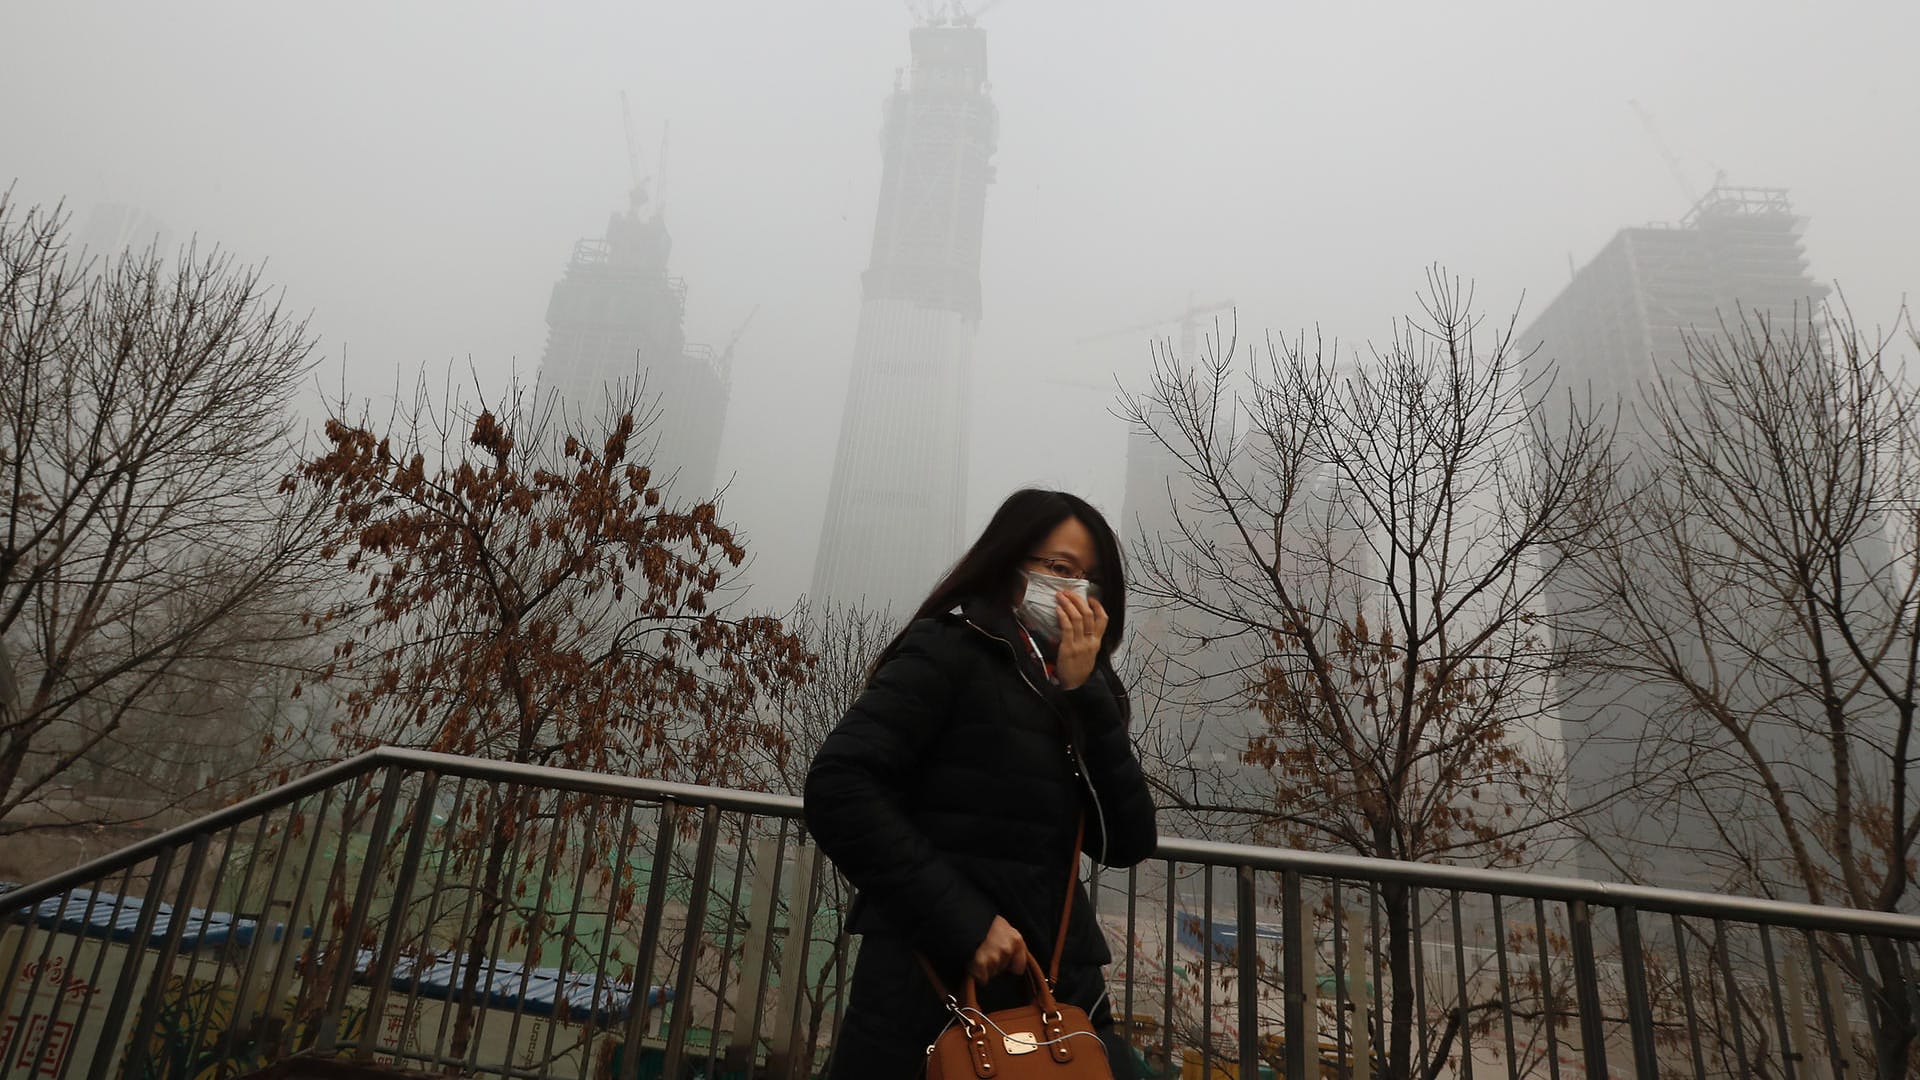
point(1066, 552)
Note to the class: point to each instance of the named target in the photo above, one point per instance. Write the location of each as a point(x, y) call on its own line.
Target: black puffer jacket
point(950, 793)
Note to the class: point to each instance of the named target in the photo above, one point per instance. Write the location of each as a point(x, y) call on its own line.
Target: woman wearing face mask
point(992, 731)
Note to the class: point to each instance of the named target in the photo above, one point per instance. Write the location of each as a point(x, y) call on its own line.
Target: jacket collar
point(997, 621)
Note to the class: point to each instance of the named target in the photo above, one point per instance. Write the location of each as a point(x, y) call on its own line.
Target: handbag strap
point(1059, 939)
point(1066, 909)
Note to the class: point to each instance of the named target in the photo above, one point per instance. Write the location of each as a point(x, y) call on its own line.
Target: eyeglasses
point(1059, 567)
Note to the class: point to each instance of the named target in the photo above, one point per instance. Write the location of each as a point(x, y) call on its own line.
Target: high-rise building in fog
point(1650, 286)
point(1191, 672)
point(896, 506)
point(1626, 314)
point(615, 319)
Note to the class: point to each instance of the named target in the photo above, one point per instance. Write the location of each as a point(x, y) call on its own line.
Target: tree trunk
point(15, 749)
point(492, 901)
point(1399, 1063)
point(1893, 1039)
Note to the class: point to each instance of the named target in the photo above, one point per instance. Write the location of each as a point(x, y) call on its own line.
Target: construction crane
point(637, 194)
point(725, 363)
point(1188, 321)
point(660, 167)
point(1666, 153)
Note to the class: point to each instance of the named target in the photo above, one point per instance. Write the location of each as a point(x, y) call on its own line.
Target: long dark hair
point(991, 567)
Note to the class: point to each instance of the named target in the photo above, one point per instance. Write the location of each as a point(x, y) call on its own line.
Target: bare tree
point(1369, 543)
point(146, 556)
point(843, 641)
point(1760, 646)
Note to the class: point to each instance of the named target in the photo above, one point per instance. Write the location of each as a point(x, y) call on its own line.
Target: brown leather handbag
point(1041, 1040)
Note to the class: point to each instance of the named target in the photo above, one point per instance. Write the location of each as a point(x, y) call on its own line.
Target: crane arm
point(1192, 312)
point(1666, 153)
point(634, 194)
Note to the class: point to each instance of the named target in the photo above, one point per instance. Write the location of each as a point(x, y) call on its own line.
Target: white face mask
point(1039, 609)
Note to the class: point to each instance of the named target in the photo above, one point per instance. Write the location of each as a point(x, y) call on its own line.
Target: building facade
point(615, 332)
point(1625, 317)
point(1630, 308)
point(897, 501)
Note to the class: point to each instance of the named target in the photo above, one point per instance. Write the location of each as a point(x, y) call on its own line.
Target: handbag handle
point(1053, 1033)
point(1042, 991)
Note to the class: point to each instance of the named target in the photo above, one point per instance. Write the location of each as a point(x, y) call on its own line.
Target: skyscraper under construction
point(615, 320)
point(1630, 308)
point(896, 506)
point(1626, 317)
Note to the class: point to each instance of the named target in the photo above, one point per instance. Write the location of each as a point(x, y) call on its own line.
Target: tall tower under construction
point(615, 322)
point(896, 505)
point(1632, 306)
point(1625, 318)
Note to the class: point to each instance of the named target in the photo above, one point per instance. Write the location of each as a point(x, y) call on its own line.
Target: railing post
point(348, 944)
point(281, 961)
point(695, 928)
point(1830, 1005)
point(1460, 987)
point(1247, 929)
point(1790, 1054)
point(130, 966)
point(1549, 1006)
point(1294, 946)
point(16, 967)
point(1646, 1060)
point(1166, 966)
point(1360, 994)
point(1685, 977)
point(1586, 986)
point(1725, 957)
point(649, 941)
point(169, 949)
point(246, 1014)
point(1133, 894)
point(756, 956)
point(12, 973)
point(808, 862)
point(382, 971)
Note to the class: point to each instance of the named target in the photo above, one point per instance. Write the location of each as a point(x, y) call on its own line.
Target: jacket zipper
point(1073, 752)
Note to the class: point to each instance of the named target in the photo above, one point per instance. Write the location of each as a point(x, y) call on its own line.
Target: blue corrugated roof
point(499, 987)
point(95, 913)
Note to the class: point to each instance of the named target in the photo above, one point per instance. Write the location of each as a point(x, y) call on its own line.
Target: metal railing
point(445, 912)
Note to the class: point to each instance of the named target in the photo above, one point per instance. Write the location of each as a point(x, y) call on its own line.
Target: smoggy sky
point(415, 175)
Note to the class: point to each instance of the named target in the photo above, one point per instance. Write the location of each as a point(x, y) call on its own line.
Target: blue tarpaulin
point(502, 984)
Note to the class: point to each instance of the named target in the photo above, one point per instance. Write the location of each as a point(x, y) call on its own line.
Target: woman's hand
point(1083, 623)
point(1004, 950)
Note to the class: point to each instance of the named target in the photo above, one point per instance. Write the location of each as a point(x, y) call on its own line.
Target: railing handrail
point(381, 756)
point(1815, 917)
point(132, 855)
point(1643, 898)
